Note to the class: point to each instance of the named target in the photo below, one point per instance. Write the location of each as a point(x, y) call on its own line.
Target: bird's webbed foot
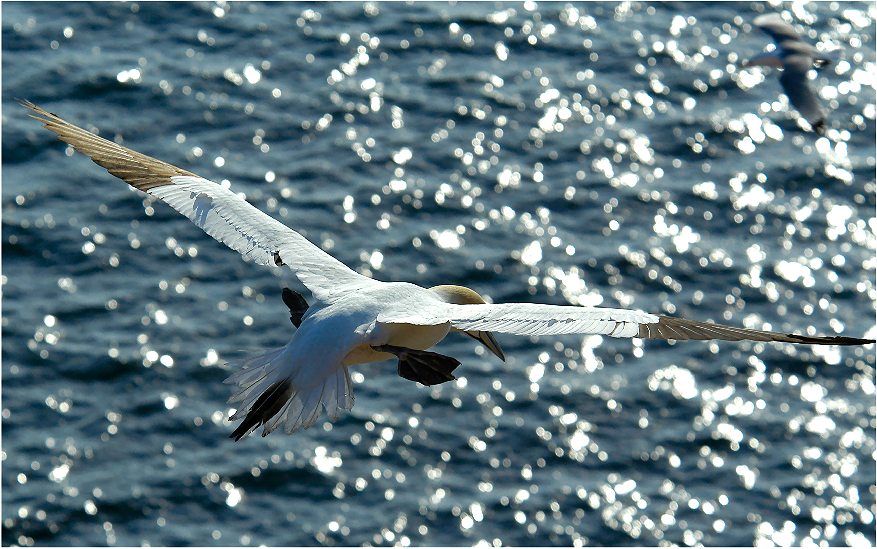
point(423, 367)
point(297, 305)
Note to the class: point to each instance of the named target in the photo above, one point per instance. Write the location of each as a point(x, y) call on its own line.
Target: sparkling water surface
point(594, 154)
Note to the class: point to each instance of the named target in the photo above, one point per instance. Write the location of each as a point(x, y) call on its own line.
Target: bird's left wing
point(217, 210)
point(774, 25)
point(535, 319)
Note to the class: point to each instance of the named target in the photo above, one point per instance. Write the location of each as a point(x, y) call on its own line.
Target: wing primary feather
point(115, 158)
point(672, 327)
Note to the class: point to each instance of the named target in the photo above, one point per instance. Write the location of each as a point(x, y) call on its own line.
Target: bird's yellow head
point(461, 295)
point(458, 295)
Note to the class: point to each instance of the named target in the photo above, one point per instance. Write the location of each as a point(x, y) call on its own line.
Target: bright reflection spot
point(747, 476)
point(402, 156)
point(685, 239)
point(376, 259)
point(502, 51)
point(234, 497)
point(679, 380)
point(748, 79)
point(532, 253)
point(131, 75)
point(477, 512)
point(446, 240)
point(252, 74)
point(794, 272)
point(578, 441)
point(820, 425)
point(59, 473)
point(324, 462)
point(812, 392)
point(837, 217)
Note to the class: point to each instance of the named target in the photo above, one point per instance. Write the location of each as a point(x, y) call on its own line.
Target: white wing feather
point(528, 319)
point(537, 319)
point(254, 234)
point(219, 212)
point(534, 319)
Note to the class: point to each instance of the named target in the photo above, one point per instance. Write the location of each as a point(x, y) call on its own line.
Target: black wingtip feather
point(265, 407)
point(833, 340)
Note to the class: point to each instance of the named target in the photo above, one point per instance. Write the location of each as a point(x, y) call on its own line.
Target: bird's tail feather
point(250, 371)
point(272, 393)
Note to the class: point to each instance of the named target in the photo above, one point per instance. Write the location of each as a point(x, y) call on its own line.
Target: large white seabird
point(356, 319)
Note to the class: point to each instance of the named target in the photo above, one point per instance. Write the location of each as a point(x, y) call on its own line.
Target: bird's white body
point(356, 319)
point(332, 337)
point(357, 314)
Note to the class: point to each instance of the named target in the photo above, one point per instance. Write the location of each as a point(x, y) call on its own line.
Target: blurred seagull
point(795, 57)
point(356, 319)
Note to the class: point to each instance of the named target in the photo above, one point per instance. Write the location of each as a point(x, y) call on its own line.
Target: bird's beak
point(487, 339)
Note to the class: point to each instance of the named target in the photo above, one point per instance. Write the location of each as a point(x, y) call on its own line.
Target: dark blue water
point(606, 154)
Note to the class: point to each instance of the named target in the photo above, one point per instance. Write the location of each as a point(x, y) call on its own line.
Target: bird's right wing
point(796, 87)
point(217, 210)
point(531, 319)
point(774, 25)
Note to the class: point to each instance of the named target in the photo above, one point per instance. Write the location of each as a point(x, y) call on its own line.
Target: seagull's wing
point(533, 319)
point(787, 39)
point(218, 211)
point(767, 59)
point(796, 87)
point(774, 25)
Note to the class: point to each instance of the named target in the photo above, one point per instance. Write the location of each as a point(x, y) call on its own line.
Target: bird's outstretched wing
point(218, 211)
point(774, 25)
point(796, 87)
point(535, 319)
point(788, 41)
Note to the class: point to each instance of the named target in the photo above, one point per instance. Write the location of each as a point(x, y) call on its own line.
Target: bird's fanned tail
point(271, 393)
point(266, 407)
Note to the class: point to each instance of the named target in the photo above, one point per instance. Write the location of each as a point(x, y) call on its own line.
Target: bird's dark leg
point(423, 367)
point(296, 304)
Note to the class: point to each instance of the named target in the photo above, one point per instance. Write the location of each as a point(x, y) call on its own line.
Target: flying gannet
point(795, 57)
point(356, 319)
